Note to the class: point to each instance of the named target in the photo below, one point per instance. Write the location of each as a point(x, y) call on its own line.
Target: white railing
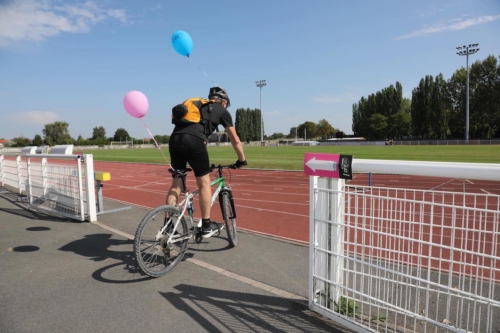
point(58, 184)
point(406, 260)
point(471, 142)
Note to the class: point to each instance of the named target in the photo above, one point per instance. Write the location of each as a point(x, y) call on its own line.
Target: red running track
point(274, 203)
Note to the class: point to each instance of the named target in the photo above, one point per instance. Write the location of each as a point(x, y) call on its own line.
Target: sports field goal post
point(121, 144)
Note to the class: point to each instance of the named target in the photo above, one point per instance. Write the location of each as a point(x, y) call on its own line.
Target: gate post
point(90, 187)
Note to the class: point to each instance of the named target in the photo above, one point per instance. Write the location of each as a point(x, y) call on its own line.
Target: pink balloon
point(136, 104)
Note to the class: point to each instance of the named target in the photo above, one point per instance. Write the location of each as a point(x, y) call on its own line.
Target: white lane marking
point(276, 202)
point(275, 211)
point(487, 192)
point(449, 181)
point(469, 181)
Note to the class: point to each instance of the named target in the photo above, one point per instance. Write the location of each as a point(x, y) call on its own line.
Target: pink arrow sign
point(323, 165)
point(328, 165)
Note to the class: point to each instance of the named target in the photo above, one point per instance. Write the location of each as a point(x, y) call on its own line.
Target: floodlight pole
point(260, 84)
point(466, 51)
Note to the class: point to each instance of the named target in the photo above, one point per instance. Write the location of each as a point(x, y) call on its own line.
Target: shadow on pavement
point(221, 311)
point(96, 247)
point(23, 210)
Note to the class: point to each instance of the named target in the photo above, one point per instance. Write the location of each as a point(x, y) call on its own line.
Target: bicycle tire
point(229, 220)
point(158, 262)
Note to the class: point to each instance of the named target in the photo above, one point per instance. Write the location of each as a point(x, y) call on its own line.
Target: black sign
point(345, 166)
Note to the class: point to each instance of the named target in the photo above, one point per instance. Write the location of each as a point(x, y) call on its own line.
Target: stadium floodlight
point(260, 84)
point(468, 50)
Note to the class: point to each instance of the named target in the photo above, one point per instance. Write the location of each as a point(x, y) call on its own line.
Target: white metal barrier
point(406, 260)
point(55, 183)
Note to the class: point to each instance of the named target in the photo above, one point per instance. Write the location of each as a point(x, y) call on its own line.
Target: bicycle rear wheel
point(229, 219)
point(154, 253)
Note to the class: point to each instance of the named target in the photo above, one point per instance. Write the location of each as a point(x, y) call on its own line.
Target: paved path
point(59, 275)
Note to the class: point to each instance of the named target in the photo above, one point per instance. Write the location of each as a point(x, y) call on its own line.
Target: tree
point(308, 130)
point(399, 125)
point(378, 126)
point(80, 141)
point(248, 124)
point(21, 142)
point(324, 129)
point(456, 92)
point(439, 111)
point(99, 133)
point(37, 141)
point(484, 98)
point(57, 133)
point(278, 135)
point(121, 135)
point(293, 133)
point(386, 102)
point(162, 139)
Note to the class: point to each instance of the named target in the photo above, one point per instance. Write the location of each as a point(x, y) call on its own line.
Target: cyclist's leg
point(203, 183)
point(198, 159)
point(174, 192)
point(178, 160)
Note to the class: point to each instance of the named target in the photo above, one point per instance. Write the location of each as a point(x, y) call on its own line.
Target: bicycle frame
point(187, 204)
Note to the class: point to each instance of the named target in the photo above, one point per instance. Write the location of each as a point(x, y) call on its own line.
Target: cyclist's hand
point(239, 163)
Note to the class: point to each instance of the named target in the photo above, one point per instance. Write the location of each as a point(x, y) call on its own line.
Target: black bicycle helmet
point(219, 92)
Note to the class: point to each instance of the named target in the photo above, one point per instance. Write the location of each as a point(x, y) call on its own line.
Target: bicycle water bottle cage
point(181, 173)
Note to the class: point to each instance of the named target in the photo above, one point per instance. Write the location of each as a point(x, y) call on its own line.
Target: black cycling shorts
point(187, 148)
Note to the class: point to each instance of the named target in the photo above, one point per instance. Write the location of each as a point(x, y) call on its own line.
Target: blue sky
point(75, 61)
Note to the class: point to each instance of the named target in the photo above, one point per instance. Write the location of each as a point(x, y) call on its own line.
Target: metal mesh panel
point(58, 188)
point(425, 261)
point(11, 176)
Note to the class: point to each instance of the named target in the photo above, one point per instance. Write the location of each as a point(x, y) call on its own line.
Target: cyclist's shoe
point(210, 230)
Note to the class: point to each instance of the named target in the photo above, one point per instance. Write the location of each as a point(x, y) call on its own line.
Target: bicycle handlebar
point(220, 166)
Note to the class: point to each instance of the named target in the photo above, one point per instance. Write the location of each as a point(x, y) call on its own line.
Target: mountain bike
point(162, 236)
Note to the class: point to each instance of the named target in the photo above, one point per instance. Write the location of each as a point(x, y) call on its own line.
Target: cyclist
point(188, 144)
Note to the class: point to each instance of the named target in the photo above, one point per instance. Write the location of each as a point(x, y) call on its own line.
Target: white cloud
point(457, 24)
point(35, 20)
point(333, 99)
point(34, 117)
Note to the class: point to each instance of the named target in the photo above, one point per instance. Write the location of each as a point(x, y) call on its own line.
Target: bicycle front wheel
point(159, 244)
point(229, 219)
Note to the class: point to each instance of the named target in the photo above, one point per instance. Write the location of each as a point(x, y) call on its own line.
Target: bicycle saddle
point(179, 173)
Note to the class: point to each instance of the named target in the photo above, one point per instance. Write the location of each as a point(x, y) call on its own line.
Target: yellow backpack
point(189, 112)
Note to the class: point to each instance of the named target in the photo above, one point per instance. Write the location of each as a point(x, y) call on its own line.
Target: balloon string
point(205, 73)
point(155, 141)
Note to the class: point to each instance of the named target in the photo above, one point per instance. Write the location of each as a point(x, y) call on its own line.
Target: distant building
point(305, 143)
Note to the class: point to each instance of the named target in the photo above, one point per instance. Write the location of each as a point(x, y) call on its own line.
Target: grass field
point(291, 158)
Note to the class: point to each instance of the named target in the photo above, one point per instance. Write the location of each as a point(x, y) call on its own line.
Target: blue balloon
point(182, 43)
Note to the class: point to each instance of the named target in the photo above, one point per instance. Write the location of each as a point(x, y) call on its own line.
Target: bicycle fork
point(231, 201)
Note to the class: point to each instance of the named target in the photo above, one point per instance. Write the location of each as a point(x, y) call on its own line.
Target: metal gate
point(401, 260)
point(54, 183)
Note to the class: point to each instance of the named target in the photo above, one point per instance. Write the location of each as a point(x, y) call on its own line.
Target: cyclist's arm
point(235, 141)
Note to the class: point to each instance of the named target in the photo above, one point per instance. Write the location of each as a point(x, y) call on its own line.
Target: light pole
point(466, 51)
point(260, 84)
